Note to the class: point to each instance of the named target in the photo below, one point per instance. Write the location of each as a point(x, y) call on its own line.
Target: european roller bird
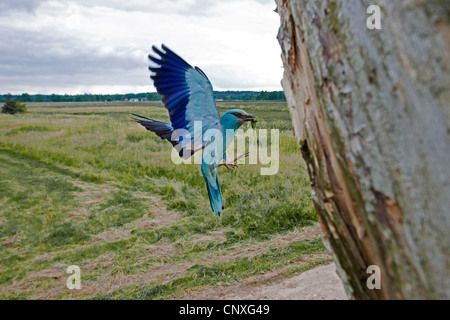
point(195, 121)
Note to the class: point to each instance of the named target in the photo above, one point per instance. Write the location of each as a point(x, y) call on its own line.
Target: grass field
point(82, 184)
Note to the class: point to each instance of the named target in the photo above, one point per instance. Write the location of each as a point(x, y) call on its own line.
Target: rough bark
point(371, 113)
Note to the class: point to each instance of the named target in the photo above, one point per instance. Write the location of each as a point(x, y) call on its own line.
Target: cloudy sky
point(101, 46)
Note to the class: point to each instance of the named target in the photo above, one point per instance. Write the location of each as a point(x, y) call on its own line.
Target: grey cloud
point(180, 7)
point(53, 59)
point(266, 1)
point(20, 5)
point(45, 60)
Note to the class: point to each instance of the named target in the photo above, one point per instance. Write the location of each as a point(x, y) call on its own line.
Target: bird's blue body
point(188, 96)
point(229, 125)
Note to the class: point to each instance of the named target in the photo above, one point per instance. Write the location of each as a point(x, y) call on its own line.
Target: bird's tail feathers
point(162, 129)
point(214, 193)
point(215, 197)
point(185, 148)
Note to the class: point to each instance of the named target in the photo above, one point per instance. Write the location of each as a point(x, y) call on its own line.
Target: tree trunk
point(371, 113)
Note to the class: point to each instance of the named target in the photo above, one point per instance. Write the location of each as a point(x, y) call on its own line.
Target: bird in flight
point(195, 121)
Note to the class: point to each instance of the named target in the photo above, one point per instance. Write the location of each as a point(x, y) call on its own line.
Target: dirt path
point(319, 283)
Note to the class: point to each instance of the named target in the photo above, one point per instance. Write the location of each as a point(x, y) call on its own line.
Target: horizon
point(124, 93)
point(225, 95)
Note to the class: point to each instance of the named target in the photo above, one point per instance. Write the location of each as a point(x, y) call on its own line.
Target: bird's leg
point(244, 155)
point(232, 165)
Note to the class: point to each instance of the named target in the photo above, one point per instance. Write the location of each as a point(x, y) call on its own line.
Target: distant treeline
point(145, 96)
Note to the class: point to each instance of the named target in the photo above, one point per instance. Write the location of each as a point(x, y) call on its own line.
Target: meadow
point(83, 184)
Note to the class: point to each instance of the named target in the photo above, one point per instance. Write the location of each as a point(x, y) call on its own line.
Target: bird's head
point(235, 118)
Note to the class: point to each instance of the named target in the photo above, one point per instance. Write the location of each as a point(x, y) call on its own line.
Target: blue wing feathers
point(173, 56)
point(187, 92)
point(170, 89)
point(201, 71)
point(179, 123)
point(173, 99)
point(159, 81)
point(168, 60)
point(170, 81)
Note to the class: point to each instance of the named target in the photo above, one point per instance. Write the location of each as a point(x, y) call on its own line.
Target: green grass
point(221, 273)
point(72, 173)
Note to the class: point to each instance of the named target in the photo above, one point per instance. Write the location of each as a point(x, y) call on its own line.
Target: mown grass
point(72, 172)
point(221, 273)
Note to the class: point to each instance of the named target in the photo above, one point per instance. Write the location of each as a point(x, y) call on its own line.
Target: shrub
point(14, 106)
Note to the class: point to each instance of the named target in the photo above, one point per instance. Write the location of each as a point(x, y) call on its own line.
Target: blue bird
point(188, 96)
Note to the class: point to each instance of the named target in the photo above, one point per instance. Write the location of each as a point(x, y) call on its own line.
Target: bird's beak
point(249, 117)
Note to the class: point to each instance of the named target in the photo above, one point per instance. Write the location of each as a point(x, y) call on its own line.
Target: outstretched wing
point(187, 94)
